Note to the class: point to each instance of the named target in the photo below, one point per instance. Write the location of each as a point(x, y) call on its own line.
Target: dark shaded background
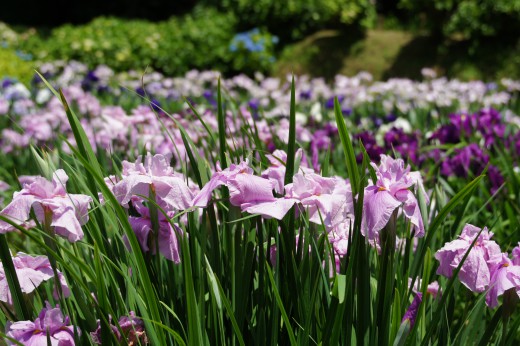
point(53, 13)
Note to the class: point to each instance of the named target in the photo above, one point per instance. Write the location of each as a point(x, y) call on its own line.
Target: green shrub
point(471, 19)
point(200, 40)
point(293, 19)
point(11, 65)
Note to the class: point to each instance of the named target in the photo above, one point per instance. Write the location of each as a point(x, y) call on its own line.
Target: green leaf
point(348, 149)
point(20, 307)
point(291, 145)
point(221, 118)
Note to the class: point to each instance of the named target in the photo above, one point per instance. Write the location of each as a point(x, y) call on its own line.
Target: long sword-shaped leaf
point(291, 146)
point(12, 280)
point(348, 149)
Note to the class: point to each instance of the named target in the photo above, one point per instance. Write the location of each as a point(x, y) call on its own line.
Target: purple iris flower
point(490, 124)
point(374, 151)
point(390, 118)
point(31, 272)
point(320, 141)
point(468, 159)
point(166, 237)
point(6, 82)
point(406, 144)
point(132, 328)
point(413, 310)
point(50, 324)
point(504, 276)
point(306, 95)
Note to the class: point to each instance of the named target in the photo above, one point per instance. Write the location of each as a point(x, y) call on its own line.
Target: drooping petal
point(474, 273)
point(142, 227)
point(174, 192)
point(412, 212)
point(168, 243)
point(248, 188)
point(81, 205)
point(276, 209)
point(131, 185)
point(446, 256)
point(504, 277)
point(66, 223)
point(378, 207)
point(17, 211)
point(202, 198)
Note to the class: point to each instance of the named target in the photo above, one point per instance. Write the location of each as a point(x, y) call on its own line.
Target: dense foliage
point(295, 19)
point(258, 211)
point(473, 19)
point(203, 39)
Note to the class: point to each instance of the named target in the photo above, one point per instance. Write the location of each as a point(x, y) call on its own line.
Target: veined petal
point(275, 209)
point(378, 206)
point(203, 197)
point(411, 211)
point(66, 224)
point(248, 188)
point(17, 211)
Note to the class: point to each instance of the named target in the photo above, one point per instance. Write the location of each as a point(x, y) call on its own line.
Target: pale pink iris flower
point(153, 172)
point(390, 192)
point(68, 211)
point(244, 186)
point(504, 276)
point(31, 272)
point(475, 272)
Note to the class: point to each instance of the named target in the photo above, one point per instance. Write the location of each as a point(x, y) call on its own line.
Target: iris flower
point(474, 273)
point(132, 328)
point(153, 172)
point(391, 191)
point(167, 235)
point(504, 276)
point(243, 185)
point(50, 324)
point(31, 272)
point(69, 211)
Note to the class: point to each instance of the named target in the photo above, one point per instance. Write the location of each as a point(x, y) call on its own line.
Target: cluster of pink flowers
point(324, 199)
point(486, 268)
